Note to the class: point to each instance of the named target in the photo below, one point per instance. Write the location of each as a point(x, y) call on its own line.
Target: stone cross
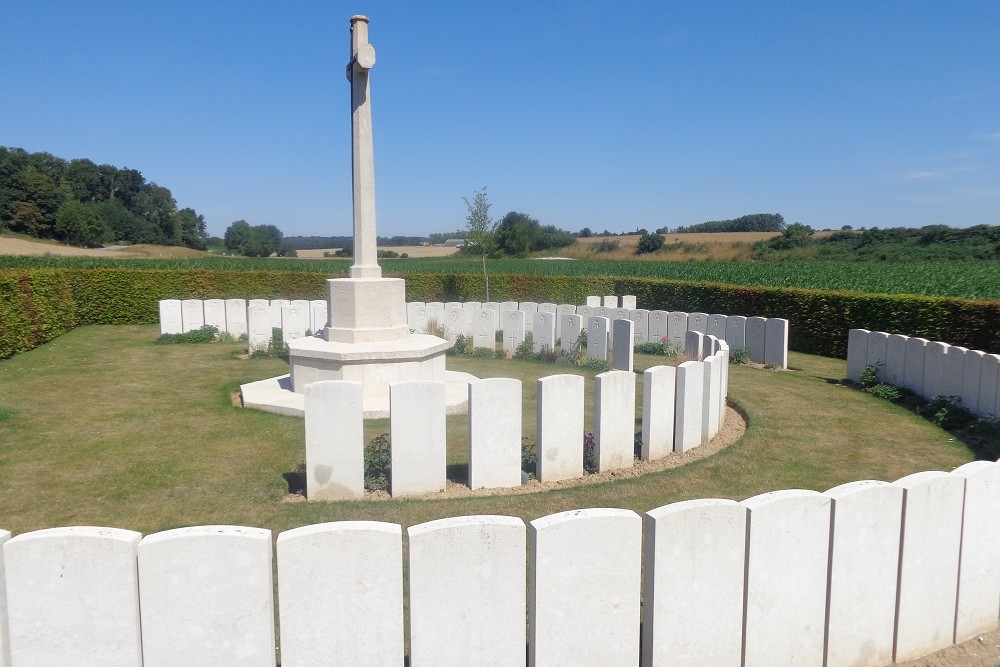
point(363, 162)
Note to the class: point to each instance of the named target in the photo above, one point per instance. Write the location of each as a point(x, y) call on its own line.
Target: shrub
point(483, 352)
point(461, 347)
point(662, 348)
point(946, 412)
point(529, 457)
point(596, 365)
point(739, 356)
point(378, 463)
point(589, 454)
point(526, 350)
point(204, 334)
point(886, 392)
point(649, 243)
point(869, 377)
point(276, 347)
point(607, 245)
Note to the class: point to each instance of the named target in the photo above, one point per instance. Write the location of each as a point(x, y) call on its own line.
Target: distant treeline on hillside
point(83, 203)
point(322, 242)
point(755, 222)
point(930, 243)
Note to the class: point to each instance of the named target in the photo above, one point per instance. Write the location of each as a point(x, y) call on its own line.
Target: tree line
point(83, 203)
point(928, 243)
point(755, 222)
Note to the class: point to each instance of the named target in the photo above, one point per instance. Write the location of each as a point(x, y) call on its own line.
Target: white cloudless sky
point(605, 115)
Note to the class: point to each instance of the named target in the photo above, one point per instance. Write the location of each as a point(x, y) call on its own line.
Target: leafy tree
point(481, 231)
point(192, 228)
point(78, 224)
point(585, 233)
point(518, 234)
point(256, 241)
point(649, 243)
point(237, 236)
point(755, 222)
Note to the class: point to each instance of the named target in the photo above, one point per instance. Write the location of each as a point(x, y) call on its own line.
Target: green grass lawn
point(102, 427)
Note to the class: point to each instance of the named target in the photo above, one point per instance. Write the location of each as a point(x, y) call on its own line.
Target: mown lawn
point(102, 427)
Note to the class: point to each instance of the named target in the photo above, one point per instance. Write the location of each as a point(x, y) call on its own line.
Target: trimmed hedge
point(36, 305)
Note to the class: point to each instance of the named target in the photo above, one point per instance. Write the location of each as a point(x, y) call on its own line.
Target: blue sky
point(582, 114)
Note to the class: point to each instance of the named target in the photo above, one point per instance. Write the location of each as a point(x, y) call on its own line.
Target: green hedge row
point(36, 305)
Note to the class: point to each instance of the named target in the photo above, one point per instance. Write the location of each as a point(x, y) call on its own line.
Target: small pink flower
point(663, 339)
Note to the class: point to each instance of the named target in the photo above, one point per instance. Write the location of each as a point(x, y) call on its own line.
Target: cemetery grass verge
point(105, 428)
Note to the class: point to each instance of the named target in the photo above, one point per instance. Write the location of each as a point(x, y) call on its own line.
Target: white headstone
point(452, 304)
point(787, 550)
point(562, 310)
point(614, 419)
point(492, 305)
point(698, 322)
point(467, 591)
point(895, 360)
point(485, 329)
point(259, 302)
point(335, 444)
point(716, 326)
point(641, 320)
point(711, 407)
point(989, 387)
point(513, 330)
point(592, 624)
point(736, 334)
point(454, 323)
point(755, 335)
point(236, 317)
point(688, 405)
point(628, 301)
point(677, 326)
point(471, 309)
point(544, 331)
point(529, 308)
point(658, 412)
point(417, 318)
point(693, 589)
point(857, 353)
point(954, 372)
point(979, 582)
point(72, 597)
point(776, 342)
point(586, 312)
point(435, 313)
point(597, 337)
point(622, 345)
point(972, 376)
point(192, 314)
point(319, 315)
point(929, 559)
point(212, 586)
point(935, 355)
point(329, 610)
point(494, 433)
point(559, 427)
point(619, 314)
point(864, 560)
point(571, 325)
point(913, 365)
point(610, 301)
point(658, 326)
point(508, 306)
point(877, 352)
point(215, 313)
point(171, 320)
point(417, 436)
point(258, 326)
point(547, 308)
point(694, 344)
point(593, 301)
point(294, 321)
point(603, 311)
point(276, 306)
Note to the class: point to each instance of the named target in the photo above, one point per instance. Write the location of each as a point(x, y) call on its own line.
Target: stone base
point(276, 395)
point(373, 364)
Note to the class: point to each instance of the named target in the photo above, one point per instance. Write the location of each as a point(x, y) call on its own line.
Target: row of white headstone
point(254, 318)
point(765, 339)
point(928, 368)
point(683, 407)
point(861, 575)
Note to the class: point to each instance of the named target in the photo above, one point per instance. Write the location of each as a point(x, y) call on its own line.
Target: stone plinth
point(373, 364)
point(366, 310)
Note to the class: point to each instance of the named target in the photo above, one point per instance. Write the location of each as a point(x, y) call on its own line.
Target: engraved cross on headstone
point(363, 158)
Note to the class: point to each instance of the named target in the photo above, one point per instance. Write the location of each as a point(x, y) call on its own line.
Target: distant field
point(25, 247)
point(411, 250)
point(694, 247)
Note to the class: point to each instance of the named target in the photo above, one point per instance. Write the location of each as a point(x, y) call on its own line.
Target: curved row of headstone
point(765, 339)
point(861, 575)
point(928, 368)
point(682, 408)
